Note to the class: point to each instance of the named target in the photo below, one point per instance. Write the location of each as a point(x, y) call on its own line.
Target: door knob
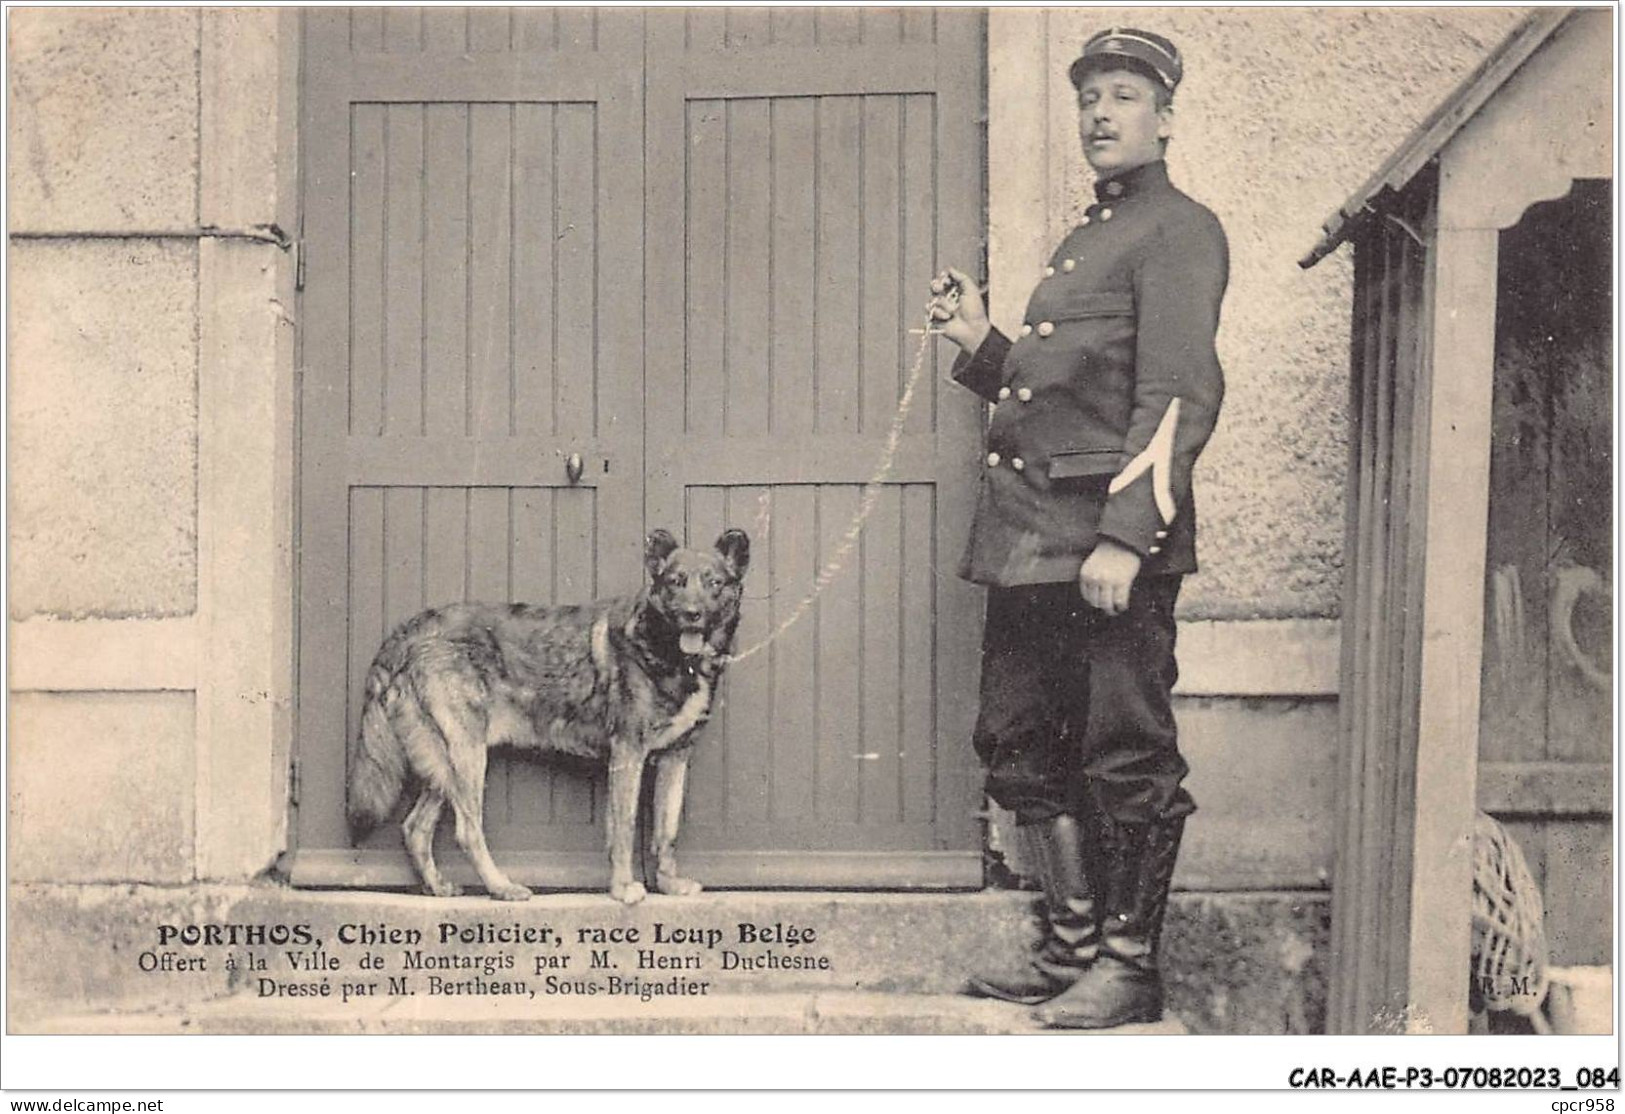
point(573, 468)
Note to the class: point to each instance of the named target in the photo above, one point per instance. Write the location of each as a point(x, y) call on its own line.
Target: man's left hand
point(1107, 576)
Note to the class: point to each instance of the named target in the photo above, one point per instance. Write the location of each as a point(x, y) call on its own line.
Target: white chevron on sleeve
point(1158, 459)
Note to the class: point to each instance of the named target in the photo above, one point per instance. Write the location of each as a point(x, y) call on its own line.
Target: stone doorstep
point(1235, 963)
point(882, 942)
point(723, 1014)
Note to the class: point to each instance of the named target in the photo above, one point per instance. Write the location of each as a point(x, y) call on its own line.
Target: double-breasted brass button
point(1154, 550)
point(1105, 214)
point(1045, 328)
point(1004, 393)
point(1069, 265)
point(1017, 463)
point(1085, 219)
point(1049, 272)
point(1027, 330)
point(1162, 533)
point(1025, 394)
point(993, 460)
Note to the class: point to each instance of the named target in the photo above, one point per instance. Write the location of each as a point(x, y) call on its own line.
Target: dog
point(627, 681)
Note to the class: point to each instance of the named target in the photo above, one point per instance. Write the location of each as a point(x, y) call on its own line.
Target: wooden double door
point(571, 275)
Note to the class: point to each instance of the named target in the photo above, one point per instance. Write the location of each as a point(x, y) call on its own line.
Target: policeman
point(1085, 525)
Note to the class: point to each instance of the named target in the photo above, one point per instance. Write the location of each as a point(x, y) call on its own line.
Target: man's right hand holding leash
point(957, 309)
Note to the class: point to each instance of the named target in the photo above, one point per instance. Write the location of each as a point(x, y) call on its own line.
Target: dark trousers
point(1076, 711)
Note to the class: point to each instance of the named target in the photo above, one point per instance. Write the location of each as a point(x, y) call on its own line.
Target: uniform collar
point(1137, 180)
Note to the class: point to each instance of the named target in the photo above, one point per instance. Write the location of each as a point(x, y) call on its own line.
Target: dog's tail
point(377, 759)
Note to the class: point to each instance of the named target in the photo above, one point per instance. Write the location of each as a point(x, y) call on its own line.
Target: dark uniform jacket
point(1109, 393)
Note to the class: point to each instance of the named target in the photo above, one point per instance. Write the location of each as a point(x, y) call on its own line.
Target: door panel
point(474, 317)
point(826, 736)
point(804, 156)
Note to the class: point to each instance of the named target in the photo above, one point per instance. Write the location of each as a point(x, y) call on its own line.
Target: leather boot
point(1069, 919)
point(1123, 985)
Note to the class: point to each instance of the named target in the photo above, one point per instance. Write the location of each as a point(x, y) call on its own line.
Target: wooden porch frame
point(1522, 133)
point(1511, 142)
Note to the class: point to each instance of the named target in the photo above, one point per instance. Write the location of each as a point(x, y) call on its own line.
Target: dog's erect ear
point(734, 545)
point(656, 549)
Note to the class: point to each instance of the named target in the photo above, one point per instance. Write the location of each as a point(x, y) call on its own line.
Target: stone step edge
point(823, 1012)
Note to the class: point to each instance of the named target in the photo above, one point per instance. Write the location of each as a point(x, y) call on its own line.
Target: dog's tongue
point(692, 642)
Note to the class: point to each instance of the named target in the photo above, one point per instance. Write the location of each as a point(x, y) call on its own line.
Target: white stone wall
point(103, 134)
point(151, 359)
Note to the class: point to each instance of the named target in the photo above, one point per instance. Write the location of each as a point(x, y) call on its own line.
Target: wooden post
point(1457, 476)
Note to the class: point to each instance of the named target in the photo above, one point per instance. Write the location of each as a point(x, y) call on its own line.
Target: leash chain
point(871, 497)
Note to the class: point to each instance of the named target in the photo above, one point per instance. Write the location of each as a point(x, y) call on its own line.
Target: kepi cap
point(1143, 50)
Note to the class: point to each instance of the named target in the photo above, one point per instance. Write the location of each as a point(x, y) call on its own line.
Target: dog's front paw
point(628, 893)
point(679, 887)
point(513, 891)
point(442, 889)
